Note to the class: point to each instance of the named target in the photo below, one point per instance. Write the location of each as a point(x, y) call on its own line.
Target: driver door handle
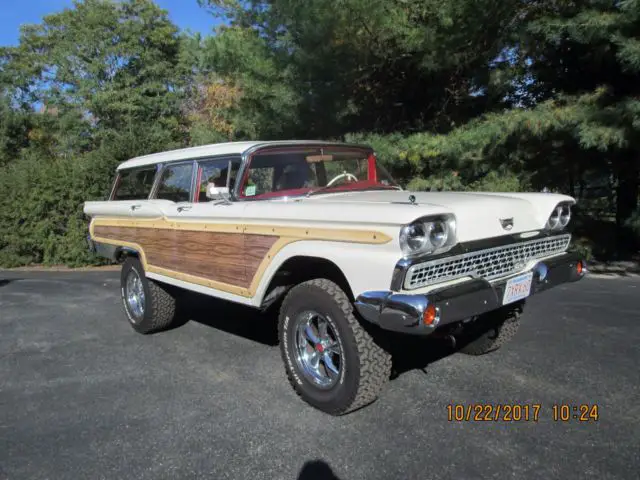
point(135, 207)
point(182, 208)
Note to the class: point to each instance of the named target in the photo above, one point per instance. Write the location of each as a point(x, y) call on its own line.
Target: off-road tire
point(490, 331)
point(366, 366)
point(160, 309)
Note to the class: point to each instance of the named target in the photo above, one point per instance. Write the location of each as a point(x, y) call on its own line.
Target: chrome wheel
point(318, 351)
point(134, 294)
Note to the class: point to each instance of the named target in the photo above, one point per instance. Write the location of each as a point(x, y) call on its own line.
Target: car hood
point(478, 214)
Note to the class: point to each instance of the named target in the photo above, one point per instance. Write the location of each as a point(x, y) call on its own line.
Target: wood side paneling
point(222, 257)
point(256, 248)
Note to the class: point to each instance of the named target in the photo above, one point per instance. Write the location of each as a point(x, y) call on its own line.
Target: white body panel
point(366, 266)
point(212, 292)
point(209, 212)
point(478, 214)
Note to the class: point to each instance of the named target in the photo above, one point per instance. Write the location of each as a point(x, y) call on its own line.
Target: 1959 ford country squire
point(322, 232)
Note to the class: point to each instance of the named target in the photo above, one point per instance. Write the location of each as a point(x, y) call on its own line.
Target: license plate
point(517, 288)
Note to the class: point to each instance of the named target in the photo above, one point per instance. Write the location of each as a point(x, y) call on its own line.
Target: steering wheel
point(345, 174)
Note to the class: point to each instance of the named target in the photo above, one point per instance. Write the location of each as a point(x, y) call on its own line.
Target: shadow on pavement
point(416, 353)
point(5, 281)
point(409, 353)
point(232, 318)
point(316, 470)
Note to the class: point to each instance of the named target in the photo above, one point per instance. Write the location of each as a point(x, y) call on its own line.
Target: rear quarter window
point(134, 184)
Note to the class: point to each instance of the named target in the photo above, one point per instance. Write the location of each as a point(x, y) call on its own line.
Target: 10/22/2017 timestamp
point(532, 412)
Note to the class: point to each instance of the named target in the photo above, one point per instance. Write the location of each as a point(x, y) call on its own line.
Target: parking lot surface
point(84, 396)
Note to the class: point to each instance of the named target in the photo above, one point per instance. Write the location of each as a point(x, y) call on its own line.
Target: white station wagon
point(322, 232)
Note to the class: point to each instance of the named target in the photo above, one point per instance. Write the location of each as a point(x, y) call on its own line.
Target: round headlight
point(413, 238)
point(565, 215)
point(554, 219)
point(438, 233)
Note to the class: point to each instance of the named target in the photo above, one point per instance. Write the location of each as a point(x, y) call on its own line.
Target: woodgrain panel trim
point(221, 257)
point(236, 263)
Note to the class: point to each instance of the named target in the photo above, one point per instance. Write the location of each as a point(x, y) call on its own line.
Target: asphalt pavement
point(84, 396)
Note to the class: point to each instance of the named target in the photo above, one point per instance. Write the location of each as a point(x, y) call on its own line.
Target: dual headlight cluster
point(428, 235)
point(560, 217)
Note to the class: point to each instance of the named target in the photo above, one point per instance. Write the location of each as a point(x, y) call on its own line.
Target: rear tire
point(491, 331)
point(150, 306)
point(331, 361)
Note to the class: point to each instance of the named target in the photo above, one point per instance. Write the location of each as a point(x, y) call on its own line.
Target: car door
point(206, 240)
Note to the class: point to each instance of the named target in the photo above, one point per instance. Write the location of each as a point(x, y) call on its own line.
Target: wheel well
point(299, 269)
point(122, 253)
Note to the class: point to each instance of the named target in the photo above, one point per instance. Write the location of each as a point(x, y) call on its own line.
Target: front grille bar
point(490, 263)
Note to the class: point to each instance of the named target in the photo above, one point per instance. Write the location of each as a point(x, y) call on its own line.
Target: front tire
point(149, 305)
point(331, 361)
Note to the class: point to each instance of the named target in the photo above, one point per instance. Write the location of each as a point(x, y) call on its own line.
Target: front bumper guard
point(405, 312)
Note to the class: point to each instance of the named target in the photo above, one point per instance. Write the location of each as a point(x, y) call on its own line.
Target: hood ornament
point(412, 199)
point(507, 223)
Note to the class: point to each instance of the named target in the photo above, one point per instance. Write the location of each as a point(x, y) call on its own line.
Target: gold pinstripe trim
point(334, 234)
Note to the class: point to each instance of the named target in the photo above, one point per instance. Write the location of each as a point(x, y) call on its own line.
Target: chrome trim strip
point(399, 272)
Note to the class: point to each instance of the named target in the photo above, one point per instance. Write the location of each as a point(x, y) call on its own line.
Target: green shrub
point(633, 223)
point(583, 246)
point(41, 218)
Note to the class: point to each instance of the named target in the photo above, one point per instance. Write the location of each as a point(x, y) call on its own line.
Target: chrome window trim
point(156, 181)
point(114, 184)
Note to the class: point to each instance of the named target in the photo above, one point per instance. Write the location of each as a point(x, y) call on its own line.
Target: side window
point(260, 181)
point(263, 172)
point(134, 184)
point(175, 183)
point(218, 173)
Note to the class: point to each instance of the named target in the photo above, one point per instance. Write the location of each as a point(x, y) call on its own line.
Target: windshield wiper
point(317, 190)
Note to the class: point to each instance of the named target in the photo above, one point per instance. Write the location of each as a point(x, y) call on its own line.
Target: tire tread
point(162, 304)
point(375, 362)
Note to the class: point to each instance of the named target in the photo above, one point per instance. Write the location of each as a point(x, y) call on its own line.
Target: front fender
point(364, 266)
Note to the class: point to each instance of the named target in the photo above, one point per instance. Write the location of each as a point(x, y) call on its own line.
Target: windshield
point(300, 171)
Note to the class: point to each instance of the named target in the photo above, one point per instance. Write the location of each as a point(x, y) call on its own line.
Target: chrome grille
point(489, 264)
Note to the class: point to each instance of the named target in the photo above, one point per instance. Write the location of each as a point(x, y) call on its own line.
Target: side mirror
point(217, 193)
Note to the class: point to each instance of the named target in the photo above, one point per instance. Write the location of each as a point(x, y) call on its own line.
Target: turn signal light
point(579, 267)
point(431, 315)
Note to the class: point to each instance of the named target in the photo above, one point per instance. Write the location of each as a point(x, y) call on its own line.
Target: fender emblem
point(507, 223)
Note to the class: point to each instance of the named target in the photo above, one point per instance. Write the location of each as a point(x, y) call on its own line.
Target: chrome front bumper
point(404, 312)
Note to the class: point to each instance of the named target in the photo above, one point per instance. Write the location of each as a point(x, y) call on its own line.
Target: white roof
point(228, 148)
